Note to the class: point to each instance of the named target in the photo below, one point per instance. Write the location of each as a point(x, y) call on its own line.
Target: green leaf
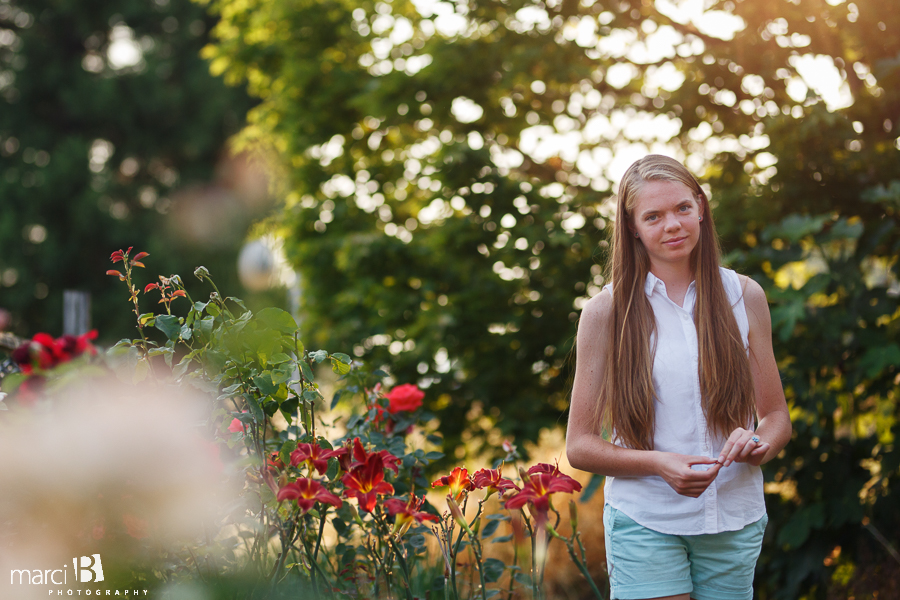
point(288, 409)
point(795, 227)
point(12, 381)
point(434, 455)
point(141, 370)
point(255, 409)
point(182, 367)
point(502, 539)
point(186, 332)
point(282, 375)
point(264, 384)
point(877, 359)
point(342, 357)
point(285, 453)
point(311, 396)
point(490, 528)
point(844, 229)
point(591, 488)
point(493, 569)
point(213, 309)
point(237, 301)
point(306, 371)
point(319, 355)
point(277, 319)
point(205, 326)
point(339, 367)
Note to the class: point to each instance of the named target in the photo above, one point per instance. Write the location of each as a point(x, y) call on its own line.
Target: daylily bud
point(523, 473)
point(553, 531)
point(355, 514)
point(573, 516)
point(458, 516)
point(455, 510)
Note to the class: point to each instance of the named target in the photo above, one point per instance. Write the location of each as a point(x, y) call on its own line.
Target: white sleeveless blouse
point(735, 497)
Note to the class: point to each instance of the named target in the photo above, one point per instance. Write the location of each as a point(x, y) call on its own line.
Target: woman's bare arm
point(774, 427)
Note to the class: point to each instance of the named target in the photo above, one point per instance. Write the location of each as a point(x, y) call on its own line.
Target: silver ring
point(755, 439)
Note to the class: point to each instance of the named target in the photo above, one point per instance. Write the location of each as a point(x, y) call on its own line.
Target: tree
point(109, 117)
point(447, 173)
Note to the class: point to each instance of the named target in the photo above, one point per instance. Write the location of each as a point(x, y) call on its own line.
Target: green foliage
point(451, 247)
point(98, 149)
point(272, 540)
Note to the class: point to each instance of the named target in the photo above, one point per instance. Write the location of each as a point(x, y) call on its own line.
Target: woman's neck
point(677, 277)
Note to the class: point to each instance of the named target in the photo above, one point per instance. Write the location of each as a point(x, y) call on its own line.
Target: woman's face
point(666, 217)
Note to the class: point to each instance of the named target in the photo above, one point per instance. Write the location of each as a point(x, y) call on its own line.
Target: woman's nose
point(671, 222)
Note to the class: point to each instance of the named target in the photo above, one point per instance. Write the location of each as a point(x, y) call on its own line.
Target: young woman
point(674, 367)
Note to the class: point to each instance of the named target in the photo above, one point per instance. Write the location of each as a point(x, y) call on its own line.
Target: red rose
point(406, 397)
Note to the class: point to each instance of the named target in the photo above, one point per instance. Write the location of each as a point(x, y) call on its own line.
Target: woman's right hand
point(676, 470)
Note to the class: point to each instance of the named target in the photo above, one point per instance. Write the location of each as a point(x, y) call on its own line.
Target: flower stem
point(583, 568)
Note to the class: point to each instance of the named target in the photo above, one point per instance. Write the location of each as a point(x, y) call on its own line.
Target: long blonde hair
point(626, 403)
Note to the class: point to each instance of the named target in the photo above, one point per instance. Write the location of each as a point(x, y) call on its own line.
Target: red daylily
point(458, 480)
point(406, 397)
point(236, 426)
point(314, 456)
point(307, 492)
point(360, 456)
point(366, 481)
point(537, 489)
point(406, 513)
point(550, 470)
point(491, 479)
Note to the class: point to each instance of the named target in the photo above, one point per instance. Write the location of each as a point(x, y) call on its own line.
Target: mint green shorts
point(647, 564)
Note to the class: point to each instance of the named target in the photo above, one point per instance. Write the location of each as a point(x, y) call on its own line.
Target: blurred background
point(427, 186)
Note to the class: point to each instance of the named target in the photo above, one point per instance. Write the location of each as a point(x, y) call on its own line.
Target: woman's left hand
point(741, 447)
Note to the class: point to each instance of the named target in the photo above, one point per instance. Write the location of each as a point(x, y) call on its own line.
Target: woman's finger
point(728, 450)
point(741, 447)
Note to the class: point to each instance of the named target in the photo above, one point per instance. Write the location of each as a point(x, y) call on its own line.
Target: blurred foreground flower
point(112, 468)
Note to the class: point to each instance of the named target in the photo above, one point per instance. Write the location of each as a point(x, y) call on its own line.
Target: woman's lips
point(674, 242)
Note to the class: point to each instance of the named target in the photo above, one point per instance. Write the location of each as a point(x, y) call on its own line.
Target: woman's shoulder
point(753, 293)
point(601, 303)
point(597, 311)
point(739, 287)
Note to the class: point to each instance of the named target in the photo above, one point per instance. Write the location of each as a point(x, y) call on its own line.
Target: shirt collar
point(654, 283)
